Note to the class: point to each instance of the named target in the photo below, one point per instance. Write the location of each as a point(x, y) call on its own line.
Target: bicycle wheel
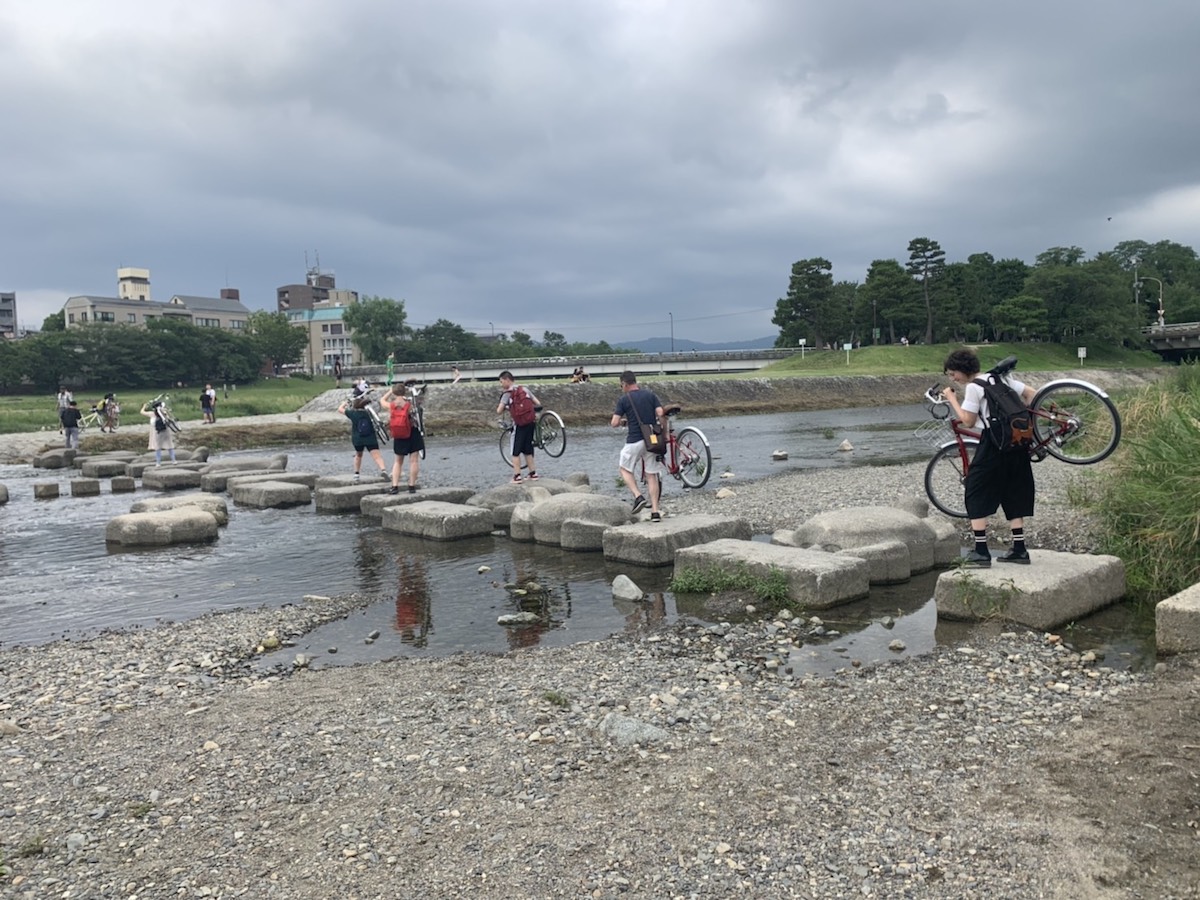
point(553, 434)
point(944, 477)
point(506, 437)
point(693, 457)
point(1075, 422)
point(382, 431)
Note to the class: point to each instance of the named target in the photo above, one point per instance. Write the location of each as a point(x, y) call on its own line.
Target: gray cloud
point(581, 167)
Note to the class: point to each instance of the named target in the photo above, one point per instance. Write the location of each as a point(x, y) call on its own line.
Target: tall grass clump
point(1149, 508)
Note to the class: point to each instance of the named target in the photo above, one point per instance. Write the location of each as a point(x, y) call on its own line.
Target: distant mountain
point(664, 344)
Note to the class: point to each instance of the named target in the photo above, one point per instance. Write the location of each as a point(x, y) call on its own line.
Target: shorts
point(999, 479)
point(632, 454)
point(522, 439)
point(414, 443)
point(364, 442)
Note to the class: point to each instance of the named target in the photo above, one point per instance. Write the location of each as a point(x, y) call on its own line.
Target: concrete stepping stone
point(184, 525)
point(216, 506)
point(374, 504)
point(438, 521)
point(657, 543)
point(271, 494)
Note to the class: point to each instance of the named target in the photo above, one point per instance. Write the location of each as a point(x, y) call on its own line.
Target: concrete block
point(582, 535)
point(271, 494)
point(438, 521)
point(816, 580)
point(656, 543)
point(348, 497)
point(1054, 589)
point(549, 515)
point(3, 494)
point(214, 506)
point(101, 467)
point(520, 522)
point(45, 490)
point(185, 525)
point(374, 504)
point(1177, 622)
point(85, 487)
point(308, 479)
point(862, 526)
point(887, 562)
point(123, 484)
point(170, 478)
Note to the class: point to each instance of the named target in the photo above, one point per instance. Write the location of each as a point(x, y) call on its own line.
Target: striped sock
point(981, 542)
point(1018, 540)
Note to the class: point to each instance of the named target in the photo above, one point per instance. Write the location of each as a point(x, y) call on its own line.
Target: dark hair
point(627, 377)
point(963, 360)
point(507, 375)
point(361, 401)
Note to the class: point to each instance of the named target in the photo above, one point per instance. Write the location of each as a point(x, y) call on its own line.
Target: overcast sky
point(597, 168)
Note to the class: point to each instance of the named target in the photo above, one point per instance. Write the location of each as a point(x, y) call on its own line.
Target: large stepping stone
point(541, 520)
point(503, 499)
point(271, 494)
point(276, 463)
point(85, 487)
point(308, 479)
point(348, 497)
point(216, 506)
point(438, 521)
point(185, 525)
point(3, 493)
point(871, 526)
point(815, 579)
point(58, 458)
point(102, 467)
point(1054, 589)
point(657, 543)
point(375, 504)
point(170, 478)
point(1177, 622)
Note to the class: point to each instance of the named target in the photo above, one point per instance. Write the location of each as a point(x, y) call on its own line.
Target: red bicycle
point(1073, 421)
point(687, 455)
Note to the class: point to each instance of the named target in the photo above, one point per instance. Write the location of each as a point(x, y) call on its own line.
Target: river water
point(60, 579)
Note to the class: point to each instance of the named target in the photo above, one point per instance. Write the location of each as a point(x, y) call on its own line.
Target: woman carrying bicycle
point(162, 437)
point(362, 433)
point(996, 478)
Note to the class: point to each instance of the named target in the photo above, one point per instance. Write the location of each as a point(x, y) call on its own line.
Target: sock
point(981, 542)
point(1018, 540)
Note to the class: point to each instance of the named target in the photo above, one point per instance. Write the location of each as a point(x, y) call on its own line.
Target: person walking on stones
point(362, 434)
point(521, 405)
point(996, 478)
point(69, 418)
point(634, 408)
point(337, 370)
point(161, 437)
point(62, 401)
point(407, 439)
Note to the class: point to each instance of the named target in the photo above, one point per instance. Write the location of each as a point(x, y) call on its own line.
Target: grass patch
point(1149, 507)
point(557, 698)
point(769, 590)
point(35, 846)
point(982, 600)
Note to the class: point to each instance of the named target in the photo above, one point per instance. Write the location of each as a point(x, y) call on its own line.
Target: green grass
point(770, 590)
point(32, 412)
point(1149, 507)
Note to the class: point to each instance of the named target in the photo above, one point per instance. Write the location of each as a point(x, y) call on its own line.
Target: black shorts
point(522, 439)
point(414, 443)
point(999, 478)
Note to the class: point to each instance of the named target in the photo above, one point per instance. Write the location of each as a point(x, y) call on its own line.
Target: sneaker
point(639, 503)
point(356, 476)
point(516, 479)
point(412, 488)
point(383, 473)
point(977, 560)
point(655, 517)
point(533, 475)
point(393, 489)
point(1014, 556)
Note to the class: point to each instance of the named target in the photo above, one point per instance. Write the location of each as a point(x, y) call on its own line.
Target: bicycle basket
point(934, 432)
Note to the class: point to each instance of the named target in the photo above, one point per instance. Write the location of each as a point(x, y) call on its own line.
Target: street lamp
point(874, 326)
point(1161, 314)
point(493, 327)
point(672, 315)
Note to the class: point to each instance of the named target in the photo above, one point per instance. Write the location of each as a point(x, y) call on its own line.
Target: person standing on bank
point(161, 436)
point(362, 434)
point(522, 407)
point(634, 408)
point(211, 393)
point(997, 478)
point(70, 424)
point(407, 439)
point(337, 370)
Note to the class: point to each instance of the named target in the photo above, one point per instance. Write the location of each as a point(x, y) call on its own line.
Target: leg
point(378, 457)
point(655, 487)
point(414, 467)
point(529, 465)
point(357, 461)
point(397, 466)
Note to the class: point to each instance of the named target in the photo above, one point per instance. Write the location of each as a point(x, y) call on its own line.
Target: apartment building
point(8, 314)
point(133, 306)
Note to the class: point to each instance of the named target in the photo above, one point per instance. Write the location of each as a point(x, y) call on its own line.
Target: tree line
point(1061, 298)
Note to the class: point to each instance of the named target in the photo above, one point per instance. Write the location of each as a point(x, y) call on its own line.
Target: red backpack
point(521, 408)
point(400, 423)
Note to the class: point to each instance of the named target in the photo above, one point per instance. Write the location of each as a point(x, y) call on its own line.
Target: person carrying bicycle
point(634, 408)
point(996, 478)
point(522, 407)
point(161, 435)
point(407, 439)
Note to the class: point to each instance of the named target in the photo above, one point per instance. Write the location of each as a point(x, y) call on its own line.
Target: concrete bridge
point(559, 368)
point(1174, 342)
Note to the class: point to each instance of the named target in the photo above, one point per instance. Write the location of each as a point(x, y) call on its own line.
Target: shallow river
point(60, 579)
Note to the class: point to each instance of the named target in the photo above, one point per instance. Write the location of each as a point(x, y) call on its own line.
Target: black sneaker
point(393, 490)
point(1014, 556)
point(639, 503)
point(655, 517)
point(977, 560)
point(412, 488)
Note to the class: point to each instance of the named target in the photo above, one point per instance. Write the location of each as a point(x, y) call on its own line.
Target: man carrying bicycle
point(634, 408)
point(521, 405)
point(996, 478)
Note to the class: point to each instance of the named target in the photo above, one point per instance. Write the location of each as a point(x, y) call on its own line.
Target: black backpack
point(1009, 421)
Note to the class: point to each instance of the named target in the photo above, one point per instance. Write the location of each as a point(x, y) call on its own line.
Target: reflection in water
point(370, 562)
point(644, 614)
point(414, 613)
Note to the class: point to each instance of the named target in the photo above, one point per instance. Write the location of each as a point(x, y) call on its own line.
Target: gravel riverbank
point(683, 763)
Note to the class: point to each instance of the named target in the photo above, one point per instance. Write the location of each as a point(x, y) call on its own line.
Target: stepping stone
point(438, 521)
point(271, 494)
point(656, 543)
point(185, 525)
point(85, 487)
